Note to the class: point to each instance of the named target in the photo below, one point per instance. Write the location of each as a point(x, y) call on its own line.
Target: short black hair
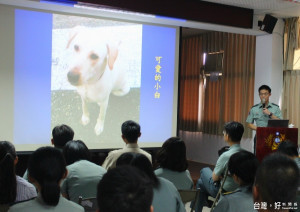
point(141, 162)
point(8, 182)
point(131, 131)
point(277, 179)
point(61, 134)
point(264, 87)
point(172, 155)
point(244, 165)
point(76, 150)
point(125, 189)
point(288, 148)
point(234, 130)
point(47, 166)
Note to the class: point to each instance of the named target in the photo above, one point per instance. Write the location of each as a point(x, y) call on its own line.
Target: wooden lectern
point(268, 139)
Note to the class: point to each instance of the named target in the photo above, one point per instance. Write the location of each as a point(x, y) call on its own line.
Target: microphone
point(263, 101)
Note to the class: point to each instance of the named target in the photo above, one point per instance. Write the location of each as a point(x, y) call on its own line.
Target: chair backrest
point(188, 195)
point(89, 204)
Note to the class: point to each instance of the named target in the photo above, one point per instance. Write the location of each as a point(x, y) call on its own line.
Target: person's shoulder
point(273, 104)
point(20, 206)
point(159, 171)
point(254, 106)
point(230, 193)
point(166, 182)
point(145, 152)
point(115, 152)
point(71, 205)
point(22, 182)
point(91, 165)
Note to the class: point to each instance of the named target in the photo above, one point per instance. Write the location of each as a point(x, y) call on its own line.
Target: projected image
point(91, 74)
point(96, 75)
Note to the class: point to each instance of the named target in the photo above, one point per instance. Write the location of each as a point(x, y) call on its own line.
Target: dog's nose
point(74, 77)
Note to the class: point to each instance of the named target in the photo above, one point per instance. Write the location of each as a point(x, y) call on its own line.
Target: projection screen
point(89, 72)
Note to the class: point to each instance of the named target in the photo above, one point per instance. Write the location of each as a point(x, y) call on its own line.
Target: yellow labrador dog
point(96, 71)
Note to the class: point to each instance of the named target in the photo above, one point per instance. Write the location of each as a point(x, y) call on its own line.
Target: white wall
point(204, 148)
point(269, 62)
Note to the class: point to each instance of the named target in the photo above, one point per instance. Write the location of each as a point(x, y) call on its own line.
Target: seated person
point(12, 187)
point(166, 197)
point(242, 167)
point(276, 182)
point(46, 169)
point(127, 186)
point(61, 134)
point(83, 175)
point(290, 149)
point(172, 162)
point(131, 131)
point(209, 181)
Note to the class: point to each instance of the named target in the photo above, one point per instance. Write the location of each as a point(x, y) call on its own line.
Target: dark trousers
point(254, 146)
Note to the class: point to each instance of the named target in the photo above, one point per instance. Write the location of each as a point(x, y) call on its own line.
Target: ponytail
point(47, 167)
point(50, 192)
point(8, 182)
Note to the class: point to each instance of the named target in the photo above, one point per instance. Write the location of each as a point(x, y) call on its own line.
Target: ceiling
point(277, 8)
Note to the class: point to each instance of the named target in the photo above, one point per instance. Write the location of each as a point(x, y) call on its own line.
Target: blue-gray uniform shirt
point(237, 201)
point(256, 114)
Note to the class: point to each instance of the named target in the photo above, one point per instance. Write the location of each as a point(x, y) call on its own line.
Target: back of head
point(243, 164)
point(61, 135)
point(47, 167)
point(131, 131)
point(234, 130)
point(288, 148)
point(8, 185)
point(172, 155)
point(277, 179)
point(126, 189)
point(75, 151)
point(264, 87)
point(139, 161)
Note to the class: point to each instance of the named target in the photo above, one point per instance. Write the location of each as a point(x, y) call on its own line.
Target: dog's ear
point(72, 36)
point(112, 52)
point(74, 32)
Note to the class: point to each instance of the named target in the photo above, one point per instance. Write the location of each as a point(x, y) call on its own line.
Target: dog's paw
point(85, 120)
point(98, 128)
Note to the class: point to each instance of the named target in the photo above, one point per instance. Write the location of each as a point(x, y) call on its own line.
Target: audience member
point(83, 175)
point(125, 189)
point(290, 149)
point(12, 187)
point(276, 183)
point(131, 131)
point(166, 197)
point(209, 182)
point(61, 134)
point(46, 169)
point(173, 164)
point(242, 167)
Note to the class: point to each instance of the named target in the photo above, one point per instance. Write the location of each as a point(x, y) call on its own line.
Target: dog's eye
point(94, 56)
point(76, 48)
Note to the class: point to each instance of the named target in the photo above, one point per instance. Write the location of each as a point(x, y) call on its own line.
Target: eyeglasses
point(264, 94)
